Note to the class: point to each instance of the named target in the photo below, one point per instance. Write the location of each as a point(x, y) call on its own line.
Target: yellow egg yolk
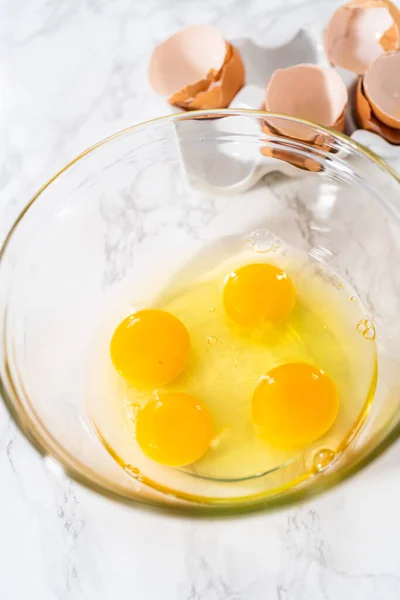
point(294, 404)
point(175, 429)
point(150, 348)
point(258, 294)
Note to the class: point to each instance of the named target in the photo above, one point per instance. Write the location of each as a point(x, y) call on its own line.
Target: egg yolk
point(257, 294)
point(294, 404)
point(175, 430)
point(150, 348)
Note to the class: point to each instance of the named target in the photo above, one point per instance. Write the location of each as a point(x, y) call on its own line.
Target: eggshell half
point(310, 92)
point(220, 92)
point(367, 120)
point(190, 56)
point(381, 85)
point(361, 31)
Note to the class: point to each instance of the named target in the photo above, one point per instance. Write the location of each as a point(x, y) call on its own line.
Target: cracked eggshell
point(319, 142)
point(368, 121)
point(196, 69)
point(307, 91)
point(361, 31)
point(189, 92)
point(381, 84)
point(220, 92)
point(186, 58)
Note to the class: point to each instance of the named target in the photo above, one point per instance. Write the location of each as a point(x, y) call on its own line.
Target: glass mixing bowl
point(149, 191)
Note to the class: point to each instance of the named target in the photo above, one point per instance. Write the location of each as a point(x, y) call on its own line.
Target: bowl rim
point(67, 464)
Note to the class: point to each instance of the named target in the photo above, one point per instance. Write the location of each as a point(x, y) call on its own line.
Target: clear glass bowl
point(190, 176)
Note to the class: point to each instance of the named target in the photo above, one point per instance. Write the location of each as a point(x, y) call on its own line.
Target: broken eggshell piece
point(361, 31)
point(186, 58)
point(288, 155)
point(221, 91)
point(307, 91)
point(367, 120)
point(197, 69)
point(381, 85)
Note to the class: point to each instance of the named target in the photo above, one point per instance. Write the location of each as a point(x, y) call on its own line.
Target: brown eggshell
point(309, 92)
point(289, 156)
point(391, 38)
point(197, 69)
point(220, 92)
point(321, 141)
point(367, 120)
point(361, 31)
point(187, 58)
point(381, 85)
point(190, 91)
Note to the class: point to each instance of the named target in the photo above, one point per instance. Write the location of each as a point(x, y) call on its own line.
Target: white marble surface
point(72, 72)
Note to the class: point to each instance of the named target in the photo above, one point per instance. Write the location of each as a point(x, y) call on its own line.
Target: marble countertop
point(71, 73)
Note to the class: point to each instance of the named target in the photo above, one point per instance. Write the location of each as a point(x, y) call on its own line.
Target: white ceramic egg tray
point(250, 166)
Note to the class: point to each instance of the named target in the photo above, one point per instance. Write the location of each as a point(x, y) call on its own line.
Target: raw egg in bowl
point(177, 348)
